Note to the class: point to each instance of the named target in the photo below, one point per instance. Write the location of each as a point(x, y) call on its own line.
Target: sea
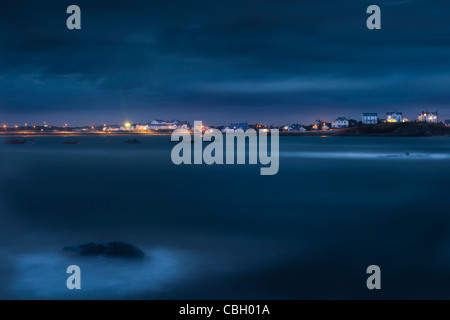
point(336, 206)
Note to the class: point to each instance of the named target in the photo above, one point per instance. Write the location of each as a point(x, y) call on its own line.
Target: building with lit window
point(426, 116)
point(236, 126)
point(161, 125)
point(239, 125)
point(394, 117)
point(141, 127)
point(127, 126)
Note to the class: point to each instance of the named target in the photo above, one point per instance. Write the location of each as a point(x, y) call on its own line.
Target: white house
point(296, 127)
point(201, 127)
point(141, 127)
point(111, 128)
point(167, 125)
point(340, 122)
point(431, 117)
point(236, 126)
point(127, 126)
point(369, 118)
point(181, 124)
point(161, 125)
point(394, 117)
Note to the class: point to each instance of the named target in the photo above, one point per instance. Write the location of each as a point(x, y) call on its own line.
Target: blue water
point(336, 206)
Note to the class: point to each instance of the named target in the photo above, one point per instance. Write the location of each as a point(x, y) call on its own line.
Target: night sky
point(220, 61)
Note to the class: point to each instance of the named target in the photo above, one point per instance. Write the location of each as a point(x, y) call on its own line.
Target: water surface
point(336, 206)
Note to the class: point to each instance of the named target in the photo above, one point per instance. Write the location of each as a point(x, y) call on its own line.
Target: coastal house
point(111, 128)
point(141, 127)
point(239, 125)
point(181, 124)
point(199, 127)
point(340, 122)
point(127, 126)
point(393, 117)
point(447, 123)
point(168, 125)
point(236, 126)
point(431, 117)
point(369, 118)
point(317, 124)
point(161, 125)
point(296, 127)
point(257, 126)
point(320, 125)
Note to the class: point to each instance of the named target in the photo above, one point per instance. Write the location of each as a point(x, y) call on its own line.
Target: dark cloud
point(221, 60)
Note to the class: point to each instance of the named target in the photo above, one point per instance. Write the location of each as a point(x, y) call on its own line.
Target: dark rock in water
point(112, 250)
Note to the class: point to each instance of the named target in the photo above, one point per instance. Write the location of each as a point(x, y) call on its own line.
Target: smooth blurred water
point(336, 206)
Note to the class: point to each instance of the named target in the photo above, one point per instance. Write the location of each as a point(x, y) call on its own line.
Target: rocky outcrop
point(407, 129)
point(110, 250)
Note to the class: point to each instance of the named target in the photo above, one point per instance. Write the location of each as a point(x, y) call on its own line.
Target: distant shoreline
point(81, 134)
point(407, 129)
